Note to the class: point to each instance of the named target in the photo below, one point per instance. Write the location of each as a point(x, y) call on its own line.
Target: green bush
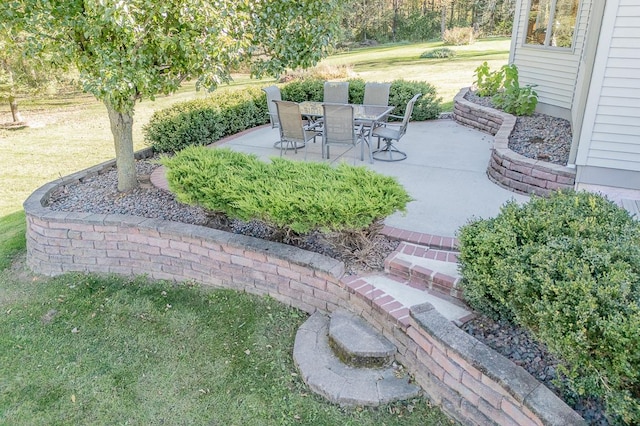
point(291, 195)
point(426, 108)
point(458, 36)
point(568, 269)
point(440, 53)
point(303, 90)
point(204, 121)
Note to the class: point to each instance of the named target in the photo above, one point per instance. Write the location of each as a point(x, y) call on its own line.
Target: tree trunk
point(13, 103)
point(122, 130)
point(443, 19)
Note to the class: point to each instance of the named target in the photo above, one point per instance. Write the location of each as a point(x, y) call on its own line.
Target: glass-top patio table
point(362, 113)
point(365, 115)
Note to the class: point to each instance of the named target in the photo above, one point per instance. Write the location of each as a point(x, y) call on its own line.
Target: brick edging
point(60, 242)
point(507, 168)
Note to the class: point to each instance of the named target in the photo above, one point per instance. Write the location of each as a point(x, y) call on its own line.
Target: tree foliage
point(128, 50)
point(22, 75)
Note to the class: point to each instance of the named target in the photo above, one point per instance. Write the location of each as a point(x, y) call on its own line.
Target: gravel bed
point(539, 136)
point(99, 195)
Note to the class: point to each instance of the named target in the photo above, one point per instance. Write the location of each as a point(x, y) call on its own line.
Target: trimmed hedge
point(204, 121)
point(291, 195)
point(568, 269)
point(426, 108)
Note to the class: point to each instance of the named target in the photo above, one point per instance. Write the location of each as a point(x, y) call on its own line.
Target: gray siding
point(554, 71)
point(611, 132)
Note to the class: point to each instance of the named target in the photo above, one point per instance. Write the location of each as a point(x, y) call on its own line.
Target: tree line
point(422, 20)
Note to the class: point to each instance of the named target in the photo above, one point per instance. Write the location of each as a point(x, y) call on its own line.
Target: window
point(552, 22)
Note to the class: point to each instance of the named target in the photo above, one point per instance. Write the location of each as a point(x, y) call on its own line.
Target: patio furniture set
point(337, 122)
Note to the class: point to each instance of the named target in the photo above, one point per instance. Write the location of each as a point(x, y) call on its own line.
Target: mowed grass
point(81, 349)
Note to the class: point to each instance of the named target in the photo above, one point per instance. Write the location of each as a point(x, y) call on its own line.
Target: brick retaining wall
point(506, 167)
point(471, 382)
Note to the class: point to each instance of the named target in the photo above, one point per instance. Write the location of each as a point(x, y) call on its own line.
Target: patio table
point(365, 115)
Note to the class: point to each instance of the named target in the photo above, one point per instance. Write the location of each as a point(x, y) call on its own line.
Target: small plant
point(487, 82)
point(440, 53)
point(513, 98)
point(458, 36)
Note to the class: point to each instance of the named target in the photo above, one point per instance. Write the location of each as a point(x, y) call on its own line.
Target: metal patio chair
point(376, 93)
point(336, 92)
point(339, 128)
point(390, 132)
point(294, 133)
point(273, 94)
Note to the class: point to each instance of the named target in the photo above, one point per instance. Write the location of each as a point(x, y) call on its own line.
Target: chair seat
point(386, 132)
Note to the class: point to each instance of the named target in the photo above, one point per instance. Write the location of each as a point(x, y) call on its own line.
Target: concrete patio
point(445, 172)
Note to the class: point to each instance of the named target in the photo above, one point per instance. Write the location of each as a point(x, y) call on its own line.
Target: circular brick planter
point(470, 381)
point(506, 167)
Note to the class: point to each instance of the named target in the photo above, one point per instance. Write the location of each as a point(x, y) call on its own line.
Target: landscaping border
point(470, 381)
point(507, 168)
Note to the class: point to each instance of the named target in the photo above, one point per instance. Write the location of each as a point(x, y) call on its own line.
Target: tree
point(20, 74)
point(129, 50)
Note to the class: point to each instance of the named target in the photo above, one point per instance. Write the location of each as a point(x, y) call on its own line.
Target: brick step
point(426, 268)
point(340, 383)
point(356, 343)
point(394, 296)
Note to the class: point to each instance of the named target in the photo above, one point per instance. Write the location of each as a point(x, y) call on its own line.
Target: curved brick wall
point(471, 382)
point(508, 168)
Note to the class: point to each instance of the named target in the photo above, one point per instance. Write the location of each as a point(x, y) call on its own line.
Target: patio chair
point(376, 93)
point(273, 94)
point(294, 133)
point(339, 128)
point(336, 92)
point(390, 132)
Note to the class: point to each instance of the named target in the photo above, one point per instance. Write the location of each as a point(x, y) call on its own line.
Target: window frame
point(549, 30)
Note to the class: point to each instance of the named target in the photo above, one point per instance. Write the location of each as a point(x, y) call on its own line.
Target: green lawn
point(79, 349)
point(92, 350)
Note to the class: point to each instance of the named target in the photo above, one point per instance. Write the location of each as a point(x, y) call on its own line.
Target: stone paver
point(326, 375)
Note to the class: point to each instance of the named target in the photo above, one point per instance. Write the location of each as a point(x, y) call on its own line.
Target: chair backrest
point(338, 124)
point(336, 92)
point(273, 94)
point(376, 93)
point(407, 114)
point(291, 125)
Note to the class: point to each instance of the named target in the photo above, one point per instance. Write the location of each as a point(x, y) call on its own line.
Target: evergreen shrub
point(291, 195)
point(568, 269)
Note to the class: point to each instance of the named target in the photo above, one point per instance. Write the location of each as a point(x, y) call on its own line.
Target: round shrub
point(567, 268)
point(440, 53)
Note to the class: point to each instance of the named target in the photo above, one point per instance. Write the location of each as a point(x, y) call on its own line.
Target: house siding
point(610, 137)
point(554, 71)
